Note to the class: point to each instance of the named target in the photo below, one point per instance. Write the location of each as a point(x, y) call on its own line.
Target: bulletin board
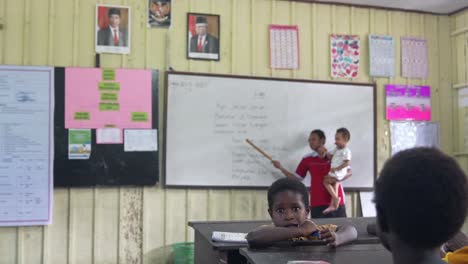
point(94, 100)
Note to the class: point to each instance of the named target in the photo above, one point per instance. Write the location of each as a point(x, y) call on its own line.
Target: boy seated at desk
point(421, 199)
point(288, 206)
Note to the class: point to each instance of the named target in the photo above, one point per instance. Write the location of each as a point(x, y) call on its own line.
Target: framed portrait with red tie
point(203, 36)
point(112, 29)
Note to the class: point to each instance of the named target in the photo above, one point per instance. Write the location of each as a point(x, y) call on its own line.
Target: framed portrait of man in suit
point(112, 29)
point(203, 36)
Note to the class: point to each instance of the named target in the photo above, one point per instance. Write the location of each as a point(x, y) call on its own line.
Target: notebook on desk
point(229, 237)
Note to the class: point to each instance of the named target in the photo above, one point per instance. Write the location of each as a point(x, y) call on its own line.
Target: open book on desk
point(229, 237)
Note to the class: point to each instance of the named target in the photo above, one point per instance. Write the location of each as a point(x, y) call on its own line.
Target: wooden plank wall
point(137, 225)
point(459, 42)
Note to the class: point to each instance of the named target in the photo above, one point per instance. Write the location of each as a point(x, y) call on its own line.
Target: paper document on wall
point(367, 205)
point(141, 140)
point(26, 145)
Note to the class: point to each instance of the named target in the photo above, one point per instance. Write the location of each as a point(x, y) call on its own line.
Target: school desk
point(354, 253)
point(208, 251)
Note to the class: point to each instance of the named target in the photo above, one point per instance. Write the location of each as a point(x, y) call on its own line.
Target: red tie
point(200, 45)
point(116, 38)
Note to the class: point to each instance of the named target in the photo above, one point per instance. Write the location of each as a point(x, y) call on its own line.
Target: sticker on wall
point(344, 56)
point(414, 57)
point(284, 47)
point(408, 102)
point(382, 56)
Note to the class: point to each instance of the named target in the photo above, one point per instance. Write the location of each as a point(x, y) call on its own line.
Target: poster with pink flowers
point(405, 102)
point(344, 56)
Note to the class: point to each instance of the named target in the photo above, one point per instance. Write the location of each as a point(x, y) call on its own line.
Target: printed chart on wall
point(284, 47)
point(95, 108)
point(26, 145)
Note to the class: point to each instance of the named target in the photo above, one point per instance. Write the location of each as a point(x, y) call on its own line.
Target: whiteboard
point(208, 118)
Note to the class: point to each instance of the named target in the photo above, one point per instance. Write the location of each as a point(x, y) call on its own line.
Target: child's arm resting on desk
point(344, 234)
point(265, 236)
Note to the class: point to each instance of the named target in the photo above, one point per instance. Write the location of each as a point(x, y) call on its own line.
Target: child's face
point(288, 209)
point(340, 141)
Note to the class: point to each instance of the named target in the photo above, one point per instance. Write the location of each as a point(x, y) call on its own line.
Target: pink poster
point(344, 56)
point(408, 102)
point(98, 98)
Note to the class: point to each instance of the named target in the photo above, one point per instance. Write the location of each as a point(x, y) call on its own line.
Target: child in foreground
point(421, 198)
point(288, 206)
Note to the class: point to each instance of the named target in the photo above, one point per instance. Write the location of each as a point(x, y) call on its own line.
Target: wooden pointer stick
point(258, 149)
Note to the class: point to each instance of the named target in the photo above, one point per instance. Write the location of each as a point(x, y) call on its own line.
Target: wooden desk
point(354, 253)
point(207, 251)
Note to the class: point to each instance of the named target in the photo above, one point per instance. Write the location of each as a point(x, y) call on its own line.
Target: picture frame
point(159, 13)
point(203, 36)
point(113, 24)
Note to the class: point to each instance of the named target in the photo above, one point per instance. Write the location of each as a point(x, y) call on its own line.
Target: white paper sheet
point(140, 140)
point(463, 97)
point(406, 135)
point(382, 56)
point(26, 145)
point(108, 136)
point(367, 206)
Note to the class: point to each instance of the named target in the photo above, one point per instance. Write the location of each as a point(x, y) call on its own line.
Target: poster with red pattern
point(344, 50)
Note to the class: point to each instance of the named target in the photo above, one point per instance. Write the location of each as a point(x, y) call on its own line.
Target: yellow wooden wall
point(459, 42)
point(134, 225)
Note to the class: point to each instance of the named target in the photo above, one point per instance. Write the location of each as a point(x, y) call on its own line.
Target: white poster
point(367, 205)
point(463, 97)
point(382, 56)
point(406, 135)
point(141, 140)
point(26, 145)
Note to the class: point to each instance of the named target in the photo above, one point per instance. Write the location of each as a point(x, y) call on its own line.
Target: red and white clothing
point(339, 157)
point(318, 168)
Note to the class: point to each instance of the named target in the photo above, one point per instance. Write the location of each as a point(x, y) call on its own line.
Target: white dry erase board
point(208, 117)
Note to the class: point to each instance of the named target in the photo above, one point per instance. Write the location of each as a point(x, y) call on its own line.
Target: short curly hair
point(344, 132)
point(285, 184)
point(422, 197)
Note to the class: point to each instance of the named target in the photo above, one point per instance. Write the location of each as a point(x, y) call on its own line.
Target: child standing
point(340, 160)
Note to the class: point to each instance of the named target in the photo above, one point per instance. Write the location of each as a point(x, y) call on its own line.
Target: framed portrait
point(159, 13)
point(203, 36)
point(113, 29)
